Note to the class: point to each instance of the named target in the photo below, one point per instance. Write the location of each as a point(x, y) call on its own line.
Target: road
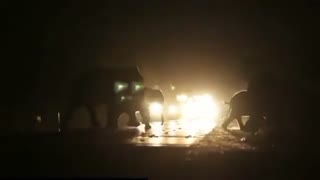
point(172, 133)
point(187, 133)
point(172, 151)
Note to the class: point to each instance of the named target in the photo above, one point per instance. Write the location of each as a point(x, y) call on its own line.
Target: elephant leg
point(229, 119)
point(132, 116)
point(253, 123)
point(146, 120)
point(64, 126)
point(162, 118)
point(240, 123)
point(227, 122)
point(93, 116)
point(113, 114)
point(145, 117)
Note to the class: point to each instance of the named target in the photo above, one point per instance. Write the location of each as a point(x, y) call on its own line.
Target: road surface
point(171, 151)
point(184, 133)
point(172, 133)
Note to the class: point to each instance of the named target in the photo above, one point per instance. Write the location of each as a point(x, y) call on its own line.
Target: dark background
point(193, 44)
point(212, 46)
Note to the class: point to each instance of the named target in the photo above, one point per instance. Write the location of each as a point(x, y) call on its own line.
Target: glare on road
point(199, 115)
point(175, 132)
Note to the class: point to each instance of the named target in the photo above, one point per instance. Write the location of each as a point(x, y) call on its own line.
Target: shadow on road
point(104, 153)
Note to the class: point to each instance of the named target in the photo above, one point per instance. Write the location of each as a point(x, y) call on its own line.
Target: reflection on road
point(176, 133)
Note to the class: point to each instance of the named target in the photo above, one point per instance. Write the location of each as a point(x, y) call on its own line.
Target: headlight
point(120, 86)
point(137, 86)
point(203, 106)
point(173, 109)
point(155, 108)
point(182, 98)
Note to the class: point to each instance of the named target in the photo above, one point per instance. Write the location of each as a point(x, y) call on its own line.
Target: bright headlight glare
point(155, 108)
point(182, 98)
point(203, 106)
point(173, 109)
point(120, 86)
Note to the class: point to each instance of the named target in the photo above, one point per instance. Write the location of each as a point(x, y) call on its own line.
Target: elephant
point(238, 106)
point(119, 88)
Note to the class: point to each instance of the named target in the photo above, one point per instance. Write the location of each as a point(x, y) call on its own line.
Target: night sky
point(212, 46)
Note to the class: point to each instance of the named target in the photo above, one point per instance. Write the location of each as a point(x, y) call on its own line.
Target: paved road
point(172, 133)
point(172, 153)
point(202, 135)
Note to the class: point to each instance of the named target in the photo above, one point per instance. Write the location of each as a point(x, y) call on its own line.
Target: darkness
point(213, 46)
point(203, 46)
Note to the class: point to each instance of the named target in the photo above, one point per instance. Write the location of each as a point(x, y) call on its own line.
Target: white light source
point(173, 109)
point(137, 87)
point(182, 98)
point(155, 108)
point(200, 107)
point(120, 87)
